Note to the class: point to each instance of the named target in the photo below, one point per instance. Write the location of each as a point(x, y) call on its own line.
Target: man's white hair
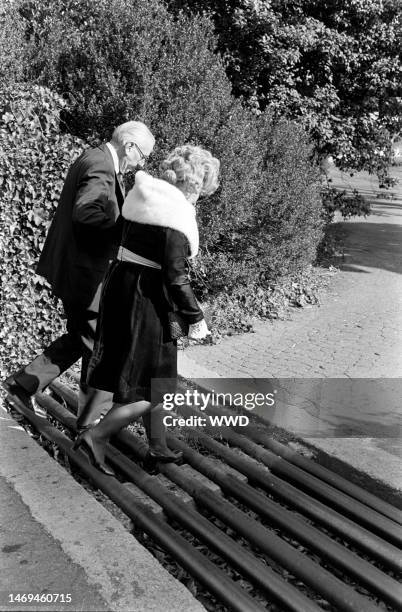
point(133, 131)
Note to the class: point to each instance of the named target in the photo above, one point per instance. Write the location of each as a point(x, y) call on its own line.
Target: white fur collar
point(155, 202)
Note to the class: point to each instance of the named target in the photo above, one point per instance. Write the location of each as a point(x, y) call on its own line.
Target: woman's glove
point(198, 331)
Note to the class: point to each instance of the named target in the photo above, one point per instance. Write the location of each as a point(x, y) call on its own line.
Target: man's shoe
point(16, 392)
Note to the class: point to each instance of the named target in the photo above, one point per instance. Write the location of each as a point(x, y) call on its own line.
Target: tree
point(163, 70)
point(335, 65)
point(264, 222)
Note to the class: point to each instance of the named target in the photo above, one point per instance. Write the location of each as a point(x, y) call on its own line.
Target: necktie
point(121, 182)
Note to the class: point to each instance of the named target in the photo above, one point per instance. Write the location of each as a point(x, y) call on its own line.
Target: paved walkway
point(357, 330)
point(355, 334)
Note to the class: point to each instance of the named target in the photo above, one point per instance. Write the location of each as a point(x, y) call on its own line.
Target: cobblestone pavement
point(357, 329)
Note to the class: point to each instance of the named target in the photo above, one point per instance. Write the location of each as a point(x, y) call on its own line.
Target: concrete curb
point(188, 368)
point(33, 562)
point(125, 575)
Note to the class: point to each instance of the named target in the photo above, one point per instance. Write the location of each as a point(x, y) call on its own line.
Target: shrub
point(13, 48)
point(34, 157)
point(149, 66)
point(271, 226)
point(264, 221)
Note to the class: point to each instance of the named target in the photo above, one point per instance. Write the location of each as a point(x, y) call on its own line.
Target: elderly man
point(84, 236)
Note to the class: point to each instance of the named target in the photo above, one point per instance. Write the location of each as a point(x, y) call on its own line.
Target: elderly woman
point(148, 281)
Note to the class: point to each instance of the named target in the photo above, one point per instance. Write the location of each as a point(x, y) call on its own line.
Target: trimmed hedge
point(34, 158)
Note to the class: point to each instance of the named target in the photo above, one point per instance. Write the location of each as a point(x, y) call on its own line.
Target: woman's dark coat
point(133, 345)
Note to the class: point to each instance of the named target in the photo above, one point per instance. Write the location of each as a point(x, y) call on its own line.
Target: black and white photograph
point(200, 305)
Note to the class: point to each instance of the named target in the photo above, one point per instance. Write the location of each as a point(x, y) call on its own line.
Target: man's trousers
point(76, 343)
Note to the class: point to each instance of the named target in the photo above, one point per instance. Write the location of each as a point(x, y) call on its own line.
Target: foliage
point(265, 219)
point(233, 312)
point(274, 228)
point(334, 64)
point(34, 157)
point(13, 48)
point(348, 204)
point(149, 66)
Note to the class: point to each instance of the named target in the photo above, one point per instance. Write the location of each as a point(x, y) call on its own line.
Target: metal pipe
point(300, 565)
point(245, 562)
point(332, 551)
point(361, 514)
point(313, 575)
point(361, 537)
point(326, 475)
point(381, 584)
point(389, 589)
point(200, 567)
point(254, 433)
point(65, 393)
point(259, 574)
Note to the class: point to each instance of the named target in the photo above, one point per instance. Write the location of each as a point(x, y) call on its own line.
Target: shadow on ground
point(367, 243)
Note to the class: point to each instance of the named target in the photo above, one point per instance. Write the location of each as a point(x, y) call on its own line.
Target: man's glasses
point(142, 156)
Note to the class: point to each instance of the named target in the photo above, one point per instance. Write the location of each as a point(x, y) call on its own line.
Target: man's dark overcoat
point(86, 229)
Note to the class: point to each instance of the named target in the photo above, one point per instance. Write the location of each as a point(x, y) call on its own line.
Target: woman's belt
point(126, 255)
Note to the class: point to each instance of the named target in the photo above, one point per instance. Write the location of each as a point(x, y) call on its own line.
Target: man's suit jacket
point(86, 229)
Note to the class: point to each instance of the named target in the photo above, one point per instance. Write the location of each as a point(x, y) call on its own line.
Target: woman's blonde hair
point(194, 167)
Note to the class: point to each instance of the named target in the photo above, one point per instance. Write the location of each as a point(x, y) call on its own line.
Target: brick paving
point(355, 333)
point(357, 329)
